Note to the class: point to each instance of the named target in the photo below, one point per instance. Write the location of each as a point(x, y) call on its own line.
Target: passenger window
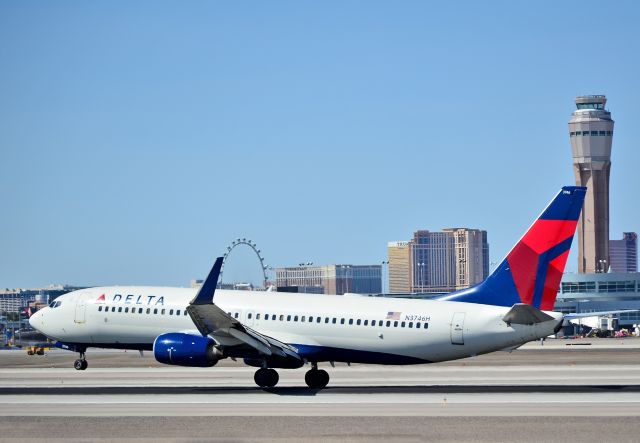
point(366, 322)
point(411, 324)
point(395, 324)
point(257, 316)
point(170, 311)
point(155, 311)
point(249, 316)
point(235, 315)
point(426, 325)
point(126, 310)
point(373, 322)
point(185, 312)
point(350, 321)
point(113, 309)
point(162, 312)
point(342, 321)
point(319, 319)
point(358, 322)
point(334, 320)
point(99, 308)
point(139, 310)
point(148, 310)
point(295, 318)
point(288, 318)
point(418, 325)
point(388, 323)
point(178, 312)
point(326, 319)
point(281, 317)
point(302, 319)
point(120, 309)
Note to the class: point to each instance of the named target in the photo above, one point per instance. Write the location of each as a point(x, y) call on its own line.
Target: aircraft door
point(457, 328)
point(81, 308)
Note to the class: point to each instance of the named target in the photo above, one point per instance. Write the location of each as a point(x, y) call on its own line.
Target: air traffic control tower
point(591, 131)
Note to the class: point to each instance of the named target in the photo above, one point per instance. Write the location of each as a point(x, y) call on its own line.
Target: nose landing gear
point(81, 363)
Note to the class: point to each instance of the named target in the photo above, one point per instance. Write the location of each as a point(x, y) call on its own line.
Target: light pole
point(421, 273)
point(602, 265)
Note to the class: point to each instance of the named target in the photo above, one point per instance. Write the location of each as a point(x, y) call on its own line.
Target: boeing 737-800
point(272, 330)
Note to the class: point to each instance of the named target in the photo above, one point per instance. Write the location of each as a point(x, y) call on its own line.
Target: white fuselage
point(385, 330)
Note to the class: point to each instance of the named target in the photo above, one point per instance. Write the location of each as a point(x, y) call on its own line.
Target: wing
point(222, 327)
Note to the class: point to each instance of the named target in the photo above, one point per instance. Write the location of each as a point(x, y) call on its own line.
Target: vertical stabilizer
point(532, 271)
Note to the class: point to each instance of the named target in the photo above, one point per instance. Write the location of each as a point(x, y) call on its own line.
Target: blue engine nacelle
point(176, 348)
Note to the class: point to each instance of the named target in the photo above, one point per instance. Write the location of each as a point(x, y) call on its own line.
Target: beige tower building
point(399, 267)
point(591, 132)
point(438, 262)
point(471, 256)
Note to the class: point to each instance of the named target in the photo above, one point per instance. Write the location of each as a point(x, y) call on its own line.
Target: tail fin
point(531, 272)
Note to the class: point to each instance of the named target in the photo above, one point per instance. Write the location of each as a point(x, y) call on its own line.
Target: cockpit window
point(55, 304)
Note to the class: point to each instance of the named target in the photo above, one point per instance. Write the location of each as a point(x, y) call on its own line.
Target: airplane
point(272, 330)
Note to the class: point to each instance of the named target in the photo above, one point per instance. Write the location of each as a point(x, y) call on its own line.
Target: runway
point(547, 393)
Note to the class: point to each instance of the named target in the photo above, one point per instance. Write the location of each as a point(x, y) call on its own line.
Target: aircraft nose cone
point(36, 321)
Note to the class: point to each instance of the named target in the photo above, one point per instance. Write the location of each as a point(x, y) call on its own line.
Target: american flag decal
point(393, 315)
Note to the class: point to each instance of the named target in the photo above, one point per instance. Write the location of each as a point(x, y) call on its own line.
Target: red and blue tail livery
point(532, 271)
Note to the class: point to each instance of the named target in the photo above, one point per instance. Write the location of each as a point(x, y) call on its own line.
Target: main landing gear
point(266, 377)
point(81, 363)
point(316, 378)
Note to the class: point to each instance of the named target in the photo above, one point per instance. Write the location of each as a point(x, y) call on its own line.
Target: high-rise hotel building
point(624, 253)
point(591, 133)
point(437, 262)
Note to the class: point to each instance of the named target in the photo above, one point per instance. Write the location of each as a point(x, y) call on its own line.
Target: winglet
point(208, 289)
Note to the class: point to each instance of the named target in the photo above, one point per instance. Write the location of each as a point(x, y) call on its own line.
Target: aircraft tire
point(317, 378)
point(261, 377)
point(80, 365)
point(272, 378)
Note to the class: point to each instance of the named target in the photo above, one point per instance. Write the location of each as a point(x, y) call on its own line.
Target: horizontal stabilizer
point(521, 314)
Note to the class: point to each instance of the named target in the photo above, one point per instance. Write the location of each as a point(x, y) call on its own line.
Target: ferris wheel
point(243, 241)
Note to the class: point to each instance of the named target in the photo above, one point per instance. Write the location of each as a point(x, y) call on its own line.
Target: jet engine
point(176, 348)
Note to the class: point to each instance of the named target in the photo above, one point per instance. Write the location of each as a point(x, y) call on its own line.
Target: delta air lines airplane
point(271, 330)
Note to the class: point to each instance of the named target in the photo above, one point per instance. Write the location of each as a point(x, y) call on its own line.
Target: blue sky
point(138, 139)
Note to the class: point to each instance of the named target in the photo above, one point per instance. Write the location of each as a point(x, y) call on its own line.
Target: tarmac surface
point(564, 390)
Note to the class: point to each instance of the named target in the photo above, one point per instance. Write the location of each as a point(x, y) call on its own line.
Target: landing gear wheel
point(317, 378)
point(80, 365)
point(266, 378)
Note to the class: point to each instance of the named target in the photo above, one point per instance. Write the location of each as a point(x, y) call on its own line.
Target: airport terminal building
point(601, 292)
